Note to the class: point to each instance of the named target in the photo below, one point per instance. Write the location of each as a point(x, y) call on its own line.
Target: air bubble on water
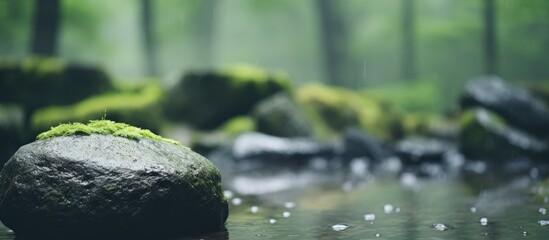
point(483, 221)
point(397, 210)
point(440, 227)
point(378, 235)
point(542, 210)
point(272, 221)
point(254, 209)
point(388, 208)
point(228, 194)
point(369, 217)
point(286, 214)
point(543, 222)
point(473, 209)
point(9, 231)
point(340, 227)
point(236, 201)
point(289, 204)
point(524, 233)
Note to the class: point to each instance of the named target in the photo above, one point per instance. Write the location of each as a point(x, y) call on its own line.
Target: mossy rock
point(139, 106)
point(109, 180)
point(340, 109)
point(208, 99)
point(238, 125)
point(39, 82)
point(280, 116)
point(487, 135)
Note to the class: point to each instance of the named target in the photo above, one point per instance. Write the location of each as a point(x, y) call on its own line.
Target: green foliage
point(340, 109)
point(104, 127)
point(138, 106)
point(416, 96)
point(207, 99)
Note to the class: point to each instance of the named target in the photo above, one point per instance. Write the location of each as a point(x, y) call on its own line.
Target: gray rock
point(484, 136)
point(418, 150)
point(279, 115)
point(357, 143)
point(106, 186)
point(518, 107)
point(265, 147)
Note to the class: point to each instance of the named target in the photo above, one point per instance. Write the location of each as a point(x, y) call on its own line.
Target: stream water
point(398, 206)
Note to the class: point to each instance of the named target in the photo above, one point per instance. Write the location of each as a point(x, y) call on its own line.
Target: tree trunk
point(205, 33)
point(149, 44)
point(490, 41)
point(409, 71)
point(333, 36)
point(47, 16)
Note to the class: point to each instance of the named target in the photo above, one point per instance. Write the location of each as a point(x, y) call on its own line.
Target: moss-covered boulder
point(39, 82)
point(107, 179)
point(517, 106)
point(486, 134)
point(136, 105)
point(280, 116)
point(207, 99)
point(340, 109)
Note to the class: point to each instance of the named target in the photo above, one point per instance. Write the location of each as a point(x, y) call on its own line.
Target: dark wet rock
point(418, 150)
point(270, 148)
point(357, 143)
point(208, 99)
point(279, 115)
point(107, 186)
point(484, 134)
point(517, 106)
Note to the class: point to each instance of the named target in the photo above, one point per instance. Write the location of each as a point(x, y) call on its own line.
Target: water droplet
point(543, 222)
point(542, 210)
point(272, 221)
point(236, 201)
point(286, 214)
point(440, 227)
point(228, 194)
point(254, 209)
point(388, 208)
point(370, 217)
point(473, 209)
point(484, 221)
point(340, 227)
point(378, 235)
point(289, 204)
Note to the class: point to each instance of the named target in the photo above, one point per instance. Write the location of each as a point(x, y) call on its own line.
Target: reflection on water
point(388, 207)
point(439, 209)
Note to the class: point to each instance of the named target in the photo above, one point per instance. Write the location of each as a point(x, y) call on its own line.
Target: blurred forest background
point(415, 55)
point(351, 43)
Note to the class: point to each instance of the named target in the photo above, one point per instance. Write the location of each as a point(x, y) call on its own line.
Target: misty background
point(350, 43)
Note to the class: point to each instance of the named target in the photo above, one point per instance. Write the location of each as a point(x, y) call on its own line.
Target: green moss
point(104, 127)
point(238, 125)
point(137, 106)
point(341, 108)
point(244, 73)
